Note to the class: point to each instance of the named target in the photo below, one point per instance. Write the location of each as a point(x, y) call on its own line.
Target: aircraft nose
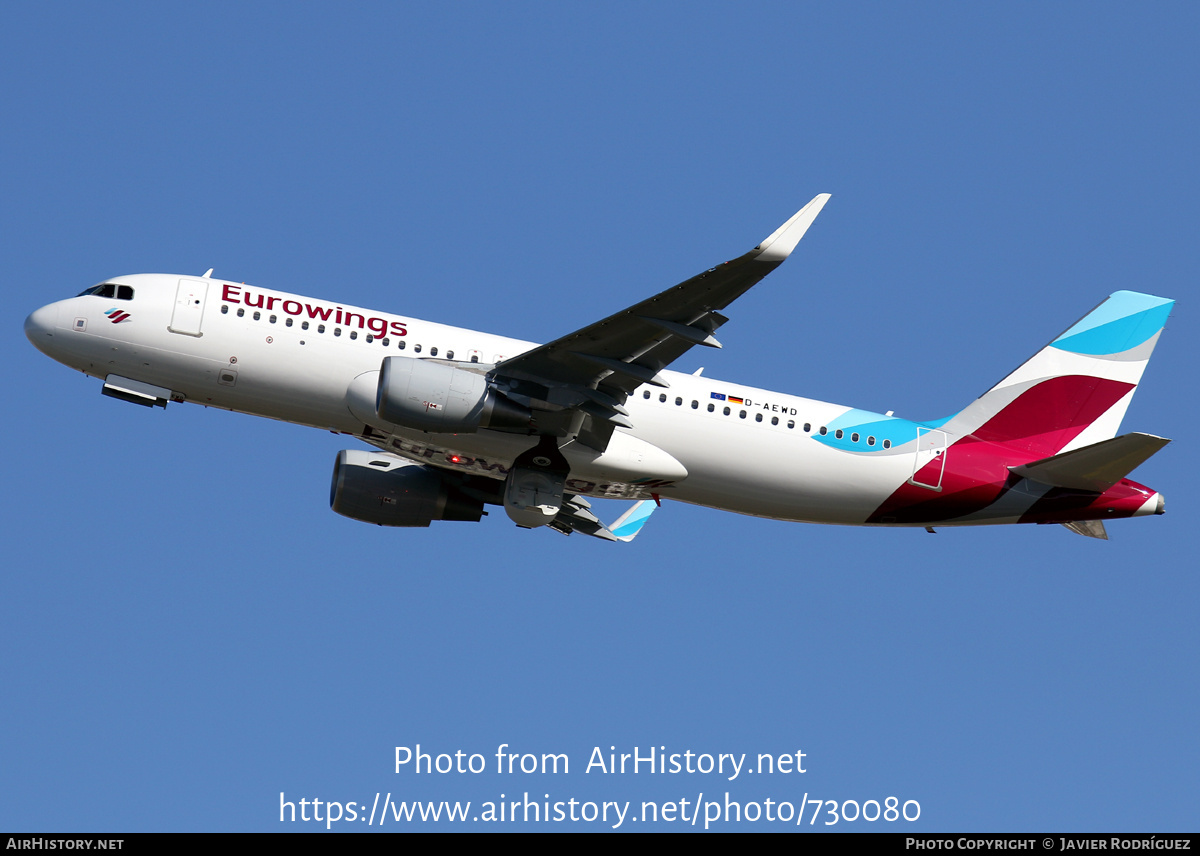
point(40, 326)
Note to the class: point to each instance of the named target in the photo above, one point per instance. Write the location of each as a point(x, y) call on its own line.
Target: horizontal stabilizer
point(1088, 528)
point(1096, 467)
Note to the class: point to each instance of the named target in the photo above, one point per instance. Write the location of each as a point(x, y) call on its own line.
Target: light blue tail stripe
point(1117, 336)
point(1124, 321)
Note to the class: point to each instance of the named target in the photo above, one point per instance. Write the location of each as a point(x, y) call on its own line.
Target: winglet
point(629, 524)
point(783, 240)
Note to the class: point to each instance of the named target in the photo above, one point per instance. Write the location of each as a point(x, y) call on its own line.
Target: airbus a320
point(457, 420)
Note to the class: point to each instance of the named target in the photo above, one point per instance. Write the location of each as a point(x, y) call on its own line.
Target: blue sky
point(189, 631)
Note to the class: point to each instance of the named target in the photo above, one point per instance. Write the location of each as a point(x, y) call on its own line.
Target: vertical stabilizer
point(1074, 392)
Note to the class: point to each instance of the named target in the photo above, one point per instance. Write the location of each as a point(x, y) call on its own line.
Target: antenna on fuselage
point(207, 274)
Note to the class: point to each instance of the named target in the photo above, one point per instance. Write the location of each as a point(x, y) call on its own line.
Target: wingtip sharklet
point(628, 525)
point(780, 243)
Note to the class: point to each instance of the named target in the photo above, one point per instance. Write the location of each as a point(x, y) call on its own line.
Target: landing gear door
point(189, 307)
point(930, 461)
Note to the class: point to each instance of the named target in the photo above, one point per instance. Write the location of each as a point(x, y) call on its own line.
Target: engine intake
point(390, 491)
point(435, 397)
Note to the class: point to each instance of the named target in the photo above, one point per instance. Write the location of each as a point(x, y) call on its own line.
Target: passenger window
point(417, 348)
point(854, 437)
point(774, 420)
point(662, 398)
point(287, 322)
point(695, 404)
point(870, 441)
point(303, 325)
point(838, 433)
point(320, 328)
point(646, 394)
point(257, 315)
point(474, 358)
point(711, 408)
point(758, 417)
point(823, 431)
point(241, 312)
point(726, 411)
point(433, 352)
point(400, 344)
point(807, 427)
point(224, 309)
point(678, 401)
point(887, 444)
point(353, 334)
point(384, 340)
point(337, 331)
point(370, 338)
point(449, 355)
point(272, 319)
point(791, 423)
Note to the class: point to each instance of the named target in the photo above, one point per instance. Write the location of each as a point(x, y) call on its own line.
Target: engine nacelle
point(378, 488)
point(436, 397)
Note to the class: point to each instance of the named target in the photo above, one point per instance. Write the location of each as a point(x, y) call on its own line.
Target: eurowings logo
point(117, 315)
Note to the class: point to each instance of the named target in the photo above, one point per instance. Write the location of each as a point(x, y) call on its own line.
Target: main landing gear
point(533, 492)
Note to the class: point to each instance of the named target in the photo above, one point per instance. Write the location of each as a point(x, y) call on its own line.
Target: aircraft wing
point(590, 373)
point(577, 516)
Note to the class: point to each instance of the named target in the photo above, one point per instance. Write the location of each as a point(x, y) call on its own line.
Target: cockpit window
point(110, 290)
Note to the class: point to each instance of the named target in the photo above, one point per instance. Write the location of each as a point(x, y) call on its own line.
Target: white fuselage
point(295, 359)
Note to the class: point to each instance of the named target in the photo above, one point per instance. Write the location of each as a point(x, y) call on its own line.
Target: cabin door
point(930, 461)
point(189, 306)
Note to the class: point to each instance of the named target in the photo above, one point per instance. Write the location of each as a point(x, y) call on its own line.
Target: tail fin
point(1074, 392)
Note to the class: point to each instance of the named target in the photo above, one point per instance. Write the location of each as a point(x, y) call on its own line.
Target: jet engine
point(378, 488)
point(432, 396)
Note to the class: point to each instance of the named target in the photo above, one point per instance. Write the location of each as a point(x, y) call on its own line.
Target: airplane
point(458, 420)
